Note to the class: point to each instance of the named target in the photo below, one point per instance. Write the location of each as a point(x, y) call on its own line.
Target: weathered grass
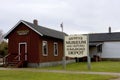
point(103, 66)
point(29, 75)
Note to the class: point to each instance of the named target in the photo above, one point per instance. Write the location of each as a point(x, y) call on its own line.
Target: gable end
point(21, 21)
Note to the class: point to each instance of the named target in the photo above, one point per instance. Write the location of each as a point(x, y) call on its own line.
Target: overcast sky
point(78, 16)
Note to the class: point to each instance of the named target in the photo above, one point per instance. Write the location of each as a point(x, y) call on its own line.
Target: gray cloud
point(78, 16)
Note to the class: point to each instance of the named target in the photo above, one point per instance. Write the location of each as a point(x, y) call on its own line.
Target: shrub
point(3, 48)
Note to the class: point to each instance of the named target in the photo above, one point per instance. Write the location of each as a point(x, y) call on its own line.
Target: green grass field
point(28, 75)
point(103, 66)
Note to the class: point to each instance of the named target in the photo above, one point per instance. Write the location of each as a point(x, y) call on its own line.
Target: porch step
point(15, 64)
point(14, 61)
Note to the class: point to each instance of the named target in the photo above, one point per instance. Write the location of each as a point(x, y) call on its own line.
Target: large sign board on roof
point(76, 46)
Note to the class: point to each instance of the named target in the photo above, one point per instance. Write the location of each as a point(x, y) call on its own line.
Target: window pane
point(45, 48)
point(55, 49)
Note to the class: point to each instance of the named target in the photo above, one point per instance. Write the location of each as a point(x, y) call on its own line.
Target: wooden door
point(23, 51)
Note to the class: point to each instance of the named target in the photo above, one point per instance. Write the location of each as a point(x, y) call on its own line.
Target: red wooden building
point(32, 45)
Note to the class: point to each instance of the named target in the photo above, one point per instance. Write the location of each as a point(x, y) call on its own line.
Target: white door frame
point(25, 50)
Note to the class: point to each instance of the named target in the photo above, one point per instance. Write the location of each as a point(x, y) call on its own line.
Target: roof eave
point(21, 21)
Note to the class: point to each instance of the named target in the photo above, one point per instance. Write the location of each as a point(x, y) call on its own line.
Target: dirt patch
point(116, 79)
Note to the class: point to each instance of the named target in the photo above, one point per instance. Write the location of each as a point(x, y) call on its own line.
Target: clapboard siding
point(111, 50)
point(34, 44)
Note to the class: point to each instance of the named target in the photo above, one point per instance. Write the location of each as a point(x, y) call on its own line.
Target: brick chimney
point(35, 22)
point(109, 29)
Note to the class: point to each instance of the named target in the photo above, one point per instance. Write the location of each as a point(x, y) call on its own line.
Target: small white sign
point(76, 45)
point(22, 32)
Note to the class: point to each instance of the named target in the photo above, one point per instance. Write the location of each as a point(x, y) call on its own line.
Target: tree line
point(3, 45)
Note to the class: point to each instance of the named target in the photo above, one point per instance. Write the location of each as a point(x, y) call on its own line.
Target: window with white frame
point(55, 49)
point(45, 48)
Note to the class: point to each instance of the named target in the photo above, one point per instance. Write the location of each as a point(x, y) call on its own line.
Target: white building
point(105, 45)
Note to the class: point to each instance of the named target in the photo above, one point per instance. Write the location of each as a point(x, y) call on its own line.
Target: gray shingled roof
point(102, 37)
point(40, 30)
point(47, 31)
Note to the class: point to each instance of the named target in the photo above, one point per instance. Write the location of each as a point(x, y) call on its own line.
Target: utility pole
point(88, 55)
point(64, 58)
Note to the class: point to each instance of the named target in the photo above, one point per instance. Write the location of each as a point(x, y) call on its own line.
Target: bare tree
point(1, 36)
